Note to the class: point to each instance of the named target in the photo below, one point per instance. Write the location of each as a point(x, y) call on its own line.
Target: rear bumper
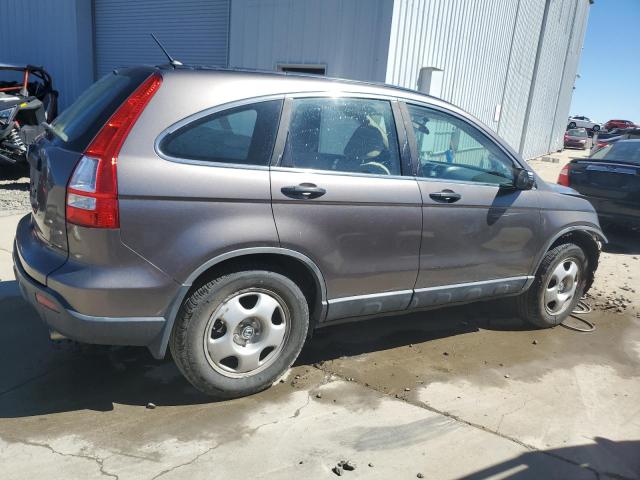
point(139, 331)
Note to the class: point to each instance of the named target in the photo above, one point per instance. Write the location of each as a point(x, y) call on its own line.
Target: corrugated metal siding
point(520, 73)
point(570, 70)
point(548, 81)
point(487, 51)
point(56, 35)
point(467, 39)
point(350, 37)
point(193, 31)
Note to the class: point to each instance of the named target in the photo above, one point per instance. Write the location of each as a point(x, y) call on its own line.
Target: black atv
point(26, 106)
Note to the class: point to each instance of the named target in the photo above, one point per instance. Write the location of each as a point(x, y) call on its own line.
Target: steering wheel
point(376, 168)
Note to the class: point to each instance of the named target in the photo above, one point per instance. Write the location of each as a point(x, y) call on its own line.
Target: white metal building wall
point(350, 37)
point(570, 68)
point(193, 31)
point(516, 90)
point(56, 35)
point(467, 39)
point(548, 82)
point(487, 50)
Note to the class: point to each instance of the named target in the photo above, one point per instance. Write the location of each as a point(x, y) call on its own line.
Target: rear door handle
point(446, 196)
point(304, 191)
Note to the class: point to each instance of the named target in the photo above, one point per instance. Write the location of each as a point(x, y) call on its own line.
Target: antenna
point(172, 61)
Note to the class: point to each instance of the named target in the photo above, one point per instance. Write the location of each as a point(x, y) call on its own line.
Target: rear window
point(628, 152)
point(80, 122)
point(577, 132)
point(242, 135)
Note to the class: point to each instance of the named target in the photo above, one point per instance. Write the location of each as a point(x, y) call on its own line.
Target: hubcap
point(246, 333)
point(561, 287)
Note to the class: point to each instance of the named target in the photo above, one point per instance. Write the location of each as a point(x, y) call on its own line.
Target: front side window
point(242, 135)
point(451, 149)
point(344, 135)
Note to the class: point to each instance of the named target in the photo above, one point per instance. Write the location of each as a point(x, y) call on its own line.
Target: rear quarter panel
point(179, 215)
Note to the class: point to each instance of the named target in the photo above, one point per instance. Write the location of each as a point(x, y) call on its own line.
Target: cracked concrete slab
point(286, 436)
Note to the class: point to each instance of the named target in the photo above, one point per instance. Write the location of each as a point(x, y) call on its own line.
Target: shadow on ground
point(593, 458)
point(622, 240)
point(38, 377)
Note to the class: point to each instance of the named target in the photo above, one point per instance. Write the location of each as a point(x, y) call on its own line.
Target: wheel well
point(589, 244)
point(292, 268)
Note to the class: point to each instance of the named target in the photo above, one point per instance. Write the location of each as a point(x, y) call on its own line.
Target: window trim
point(210, 111)
point(404, 155)
point(413, 146)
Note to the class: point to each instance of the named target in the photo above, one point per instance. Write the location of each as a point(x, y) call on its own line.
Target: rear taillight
point(563, 178)
point(92, 193)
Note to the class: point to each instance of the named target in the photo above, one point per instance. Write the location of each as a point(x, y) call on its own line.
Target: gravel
point(14, 193)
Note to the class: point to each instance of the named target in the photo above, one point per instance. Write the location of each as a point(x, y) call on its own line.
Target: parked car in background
point(610, 180)
point(611, 124)
point(576, 138)
point(580, 121)
point(602, 139)
point(260, 206)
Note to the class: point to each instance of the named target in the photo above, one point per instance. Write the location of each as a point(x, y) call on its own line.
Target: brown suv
point(227, 214)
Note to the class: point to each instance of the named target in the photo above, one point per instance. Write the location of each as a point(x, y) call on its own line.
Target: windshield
point(628, 152)
point(576, 132)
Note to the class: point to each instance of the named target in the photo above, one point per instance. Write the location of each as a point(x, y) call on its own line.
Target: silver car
point(227, 214)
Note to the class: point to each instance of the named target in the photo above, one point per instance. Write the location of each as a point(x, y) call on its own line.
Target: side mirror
point(524, 179)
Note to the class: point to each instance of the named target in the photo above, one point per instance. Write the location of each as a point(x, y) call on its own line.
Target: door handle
point(304, 190)
point(447, 196)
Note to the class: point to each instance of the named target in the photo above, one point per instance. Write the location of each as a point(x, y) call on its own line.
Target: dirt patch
point(481, 343)
point(14, 190)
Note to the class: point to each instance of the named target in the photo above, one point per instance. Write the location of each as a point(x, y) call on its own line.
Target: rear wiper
point(49, 128)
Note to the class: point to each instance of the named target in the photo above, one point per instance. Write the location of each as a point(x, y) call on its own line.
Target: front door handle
point(304, 191)
point(446, 196)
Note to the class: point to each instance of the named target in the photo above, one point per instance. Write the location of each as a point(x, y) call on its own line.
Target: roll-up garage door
point(193, 31)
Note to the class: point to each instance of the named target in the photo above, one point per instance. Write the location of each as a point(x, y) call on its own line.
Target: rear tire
point(596, 128)
point(558, 286)
point(237, 334)
point(572, 125)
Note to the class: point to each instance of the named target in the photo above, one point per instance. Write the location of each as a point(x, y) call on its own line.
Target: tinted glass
point(242, 135)
point(80, 122)
point(452, 149)
point(343, 134)
point(577, 132)
point(620, 152)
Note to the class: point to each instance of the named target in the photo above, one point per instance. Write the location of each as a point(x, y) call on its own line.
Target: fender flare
point(158, 347)
point(592, 230)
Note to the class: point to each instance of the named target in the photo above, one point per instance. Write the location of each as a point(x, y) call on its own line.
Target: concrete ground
point(465, 392)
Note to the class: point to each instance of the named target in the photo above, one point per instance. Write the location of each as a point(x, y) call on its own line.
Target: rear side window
point(242, 135)
point(80, 122)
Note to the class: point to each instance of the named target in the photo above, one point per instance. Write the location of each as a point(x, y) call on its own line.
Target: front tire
point(572, 125)
point(237, 334)
point(557, 288)
point(596, 128)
